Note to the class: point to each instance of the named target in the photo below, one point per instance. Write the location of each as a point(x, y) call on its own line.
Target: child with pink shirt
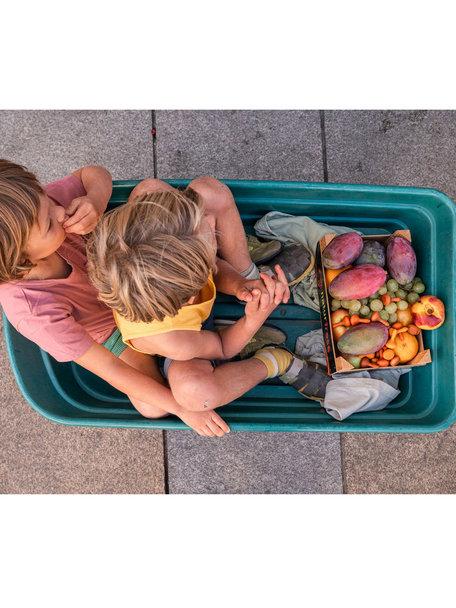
point(46, 294)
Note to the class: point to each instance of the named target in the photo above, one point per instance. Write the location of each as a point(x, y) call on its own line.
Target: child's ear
point(191, 300)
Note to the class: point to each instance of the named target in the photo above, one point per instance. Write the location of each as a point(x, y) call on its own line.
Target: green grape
point(391, 307)
point(408, 286)
point(376, 305)
point(336, 304)
point(393, 317)
point(417, 280)
point(384, 315)
point(383, 289)
point(373, 296)
point(402, 305)
point(401, 293)
point(345, 303)
point(392, 294)
point(364, 310)
point(392, 285)
point(412, 297)
point(364, 301)
point(354, 305)
point(419, 287)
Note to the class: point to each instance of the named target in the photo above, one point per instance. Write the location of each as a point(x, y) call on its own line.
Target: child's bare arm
point(185, 345)
point(145, 389)
point(85, 211)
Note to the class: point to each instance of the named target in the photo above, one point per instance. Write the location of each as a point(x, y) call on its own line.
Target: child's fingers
point(283, 279)
point(245, 295)
point(270, 286)
point(81, 216)
point(280, 274)
point(279, 293)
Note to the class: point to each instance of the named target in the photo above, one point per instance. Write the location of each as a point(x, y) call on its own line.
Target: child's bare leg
point(148, 186)
point(197, 385)
point(231, 241)
point(148, 366)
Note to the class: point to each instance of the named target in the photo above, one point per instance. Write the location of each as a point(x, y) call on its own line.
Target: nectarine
point(428, 312)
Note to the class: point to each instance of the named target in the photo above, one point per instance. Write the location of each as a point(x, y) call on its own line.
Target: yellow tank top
point(188, 318)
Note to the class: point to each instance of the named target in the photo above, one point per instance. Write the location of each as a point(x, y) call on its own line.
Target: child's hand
point(83, 216)
point(253, 287)
point(245, 293)
point(206, 424)
point(278, 291)
point(282, 291)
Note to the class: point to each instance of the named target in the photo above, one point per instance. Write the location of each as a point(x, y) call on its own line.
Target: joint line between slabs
point(323, 145)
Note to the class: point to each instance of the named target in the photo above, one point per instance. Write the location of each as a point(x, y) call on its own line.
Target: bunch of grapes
point(408, 294)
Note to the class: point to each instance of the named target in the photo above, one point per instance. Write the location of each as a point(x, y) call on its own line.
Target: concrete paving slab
point(254, 463)
point(239, 144)
point(53, 143)
point(40, 457)
point(400, 464)
point(400, 148)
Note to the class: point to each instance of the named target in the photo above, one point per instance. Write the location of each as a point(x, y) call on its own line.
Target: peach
point(428, 312)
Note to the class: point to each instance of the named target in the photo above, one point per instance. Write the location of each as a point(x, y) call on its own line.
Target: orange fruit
point(332, 274)
point(405, 346)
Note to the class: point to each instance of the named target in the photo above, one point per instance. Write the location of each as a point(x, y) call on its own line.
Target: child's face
point(47, 234)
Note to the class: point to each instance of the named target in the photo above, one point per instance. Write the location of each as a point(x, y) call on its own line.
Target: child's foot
point(308, 378)
point(262, 251)
point(267, 334)
point(296, 261)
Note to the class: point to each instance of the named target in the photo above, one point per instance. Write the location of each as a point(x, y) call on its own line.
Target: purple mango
point(342, 250)
point(401, 260)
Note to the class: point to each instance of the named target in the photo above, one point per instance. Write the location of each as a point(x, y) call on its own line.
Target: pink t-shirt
point(63, 316)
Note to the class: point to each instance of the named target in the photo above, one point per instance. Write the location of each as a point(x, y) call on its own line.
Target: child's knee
point(147, 186)
point(196, 392)
point(216, 194)
point(148, 410)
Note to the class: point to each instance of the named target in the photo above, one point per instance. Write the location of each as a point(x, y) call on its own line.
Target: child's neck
point(52, 267)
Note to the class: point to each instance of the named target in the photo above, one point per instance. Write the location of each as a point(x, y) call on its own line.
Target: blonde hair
point(19, 205)
point(148, 257)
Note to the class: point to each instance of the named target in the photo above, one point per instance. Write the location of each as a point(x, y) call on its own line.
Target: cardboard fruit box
point(335, 362)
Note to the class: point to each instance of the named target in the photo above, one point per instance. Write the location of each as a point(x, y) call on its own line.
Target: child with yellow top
point(157, 262)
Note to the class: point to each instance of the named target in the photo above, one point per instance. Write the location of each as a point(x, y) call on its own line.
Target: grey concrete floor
point(405, 148)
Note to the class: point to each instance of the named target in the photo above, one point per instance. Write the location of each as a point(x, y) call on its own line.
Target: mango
point(373, 253)
point(363, 339)
point(357, 282)
point(401, 260)
point(342, 250)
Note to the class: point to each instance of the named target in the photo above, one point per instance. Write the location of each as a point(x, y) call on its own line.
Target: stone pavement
point(407, 148)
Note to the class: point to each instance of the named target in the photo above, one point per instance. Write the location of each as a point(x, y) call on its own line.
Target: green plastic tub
point(67, 394)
